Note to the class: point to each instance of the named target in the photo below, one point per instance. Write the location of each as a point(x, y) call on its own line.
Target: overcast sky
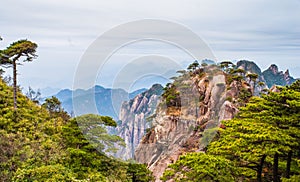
point(265, 31)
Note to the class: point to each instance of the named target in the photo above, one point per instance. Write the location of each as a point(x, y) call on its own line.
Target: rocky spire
point(286, 73)
point(274, 68)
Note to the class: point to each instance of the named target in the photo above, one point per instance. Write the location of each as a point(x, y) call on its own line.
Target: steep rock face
point(133, 115)
point(275, 77)
point(191, 127)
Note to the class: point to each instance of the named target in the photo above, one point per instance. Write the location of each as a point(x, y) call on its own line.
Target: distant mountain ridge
point(275, 77)
point(105, 104)
point(271, 76)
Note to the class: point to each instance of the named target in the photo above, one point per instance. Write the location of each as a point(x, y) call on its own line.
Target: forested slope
point(42, 143)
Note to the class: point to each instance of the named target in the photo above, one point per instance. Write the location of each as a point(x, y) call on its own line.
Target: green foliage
point(48, 173)
point(53, 105)
point(244, 95)
point(93, 128)
point(230, 99)
point(294, 178)
point(238, 71)
point(227, 66)
point(173, 91)
point(171, 96)
point(232, 74)
point(139, 172)
point(18, 49)
point(92, 119)
point(237, 78)
point(193, 66)
point(201, 167)
point(252, 76)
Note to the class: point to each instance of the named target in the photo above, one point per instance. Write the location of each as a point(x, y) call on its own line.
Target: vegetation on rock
point(261, 143)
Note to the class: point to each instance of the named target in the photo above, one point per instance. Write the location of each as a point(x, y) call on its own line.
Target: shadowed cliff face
point(133, 115)
point(190, 127)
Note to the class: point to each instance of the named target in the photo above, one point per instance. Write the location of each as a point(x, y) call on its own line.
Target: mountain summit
point(275, 77)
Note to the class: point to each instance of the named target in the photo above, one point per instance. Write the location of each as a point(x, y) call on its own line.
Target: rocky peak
point(248, 66)
point(273, 68)
point(273, 76)
point(177, 129)
point(287, 73)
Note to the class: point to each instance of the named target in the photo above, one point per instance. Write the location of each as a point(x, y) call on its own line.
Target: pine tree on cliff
point(12, 54)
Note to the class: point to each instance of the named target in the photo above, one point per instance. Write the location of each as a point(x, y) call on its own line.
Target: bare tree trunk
point(260, 168)
point(15, 83)
point(275, 168)
point(133, 177)
point(288, 164)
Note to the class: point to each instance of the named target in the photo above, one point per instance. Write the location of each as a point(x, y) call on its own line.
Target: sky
point(266, 32)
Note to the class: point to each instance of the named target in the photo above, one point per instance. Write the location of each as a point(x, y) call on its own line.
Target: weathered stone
point(133, 115)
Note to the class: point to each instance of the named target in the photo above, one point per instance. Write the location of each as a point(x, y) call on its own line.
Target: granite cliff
point(187, 116)
point(133, 116)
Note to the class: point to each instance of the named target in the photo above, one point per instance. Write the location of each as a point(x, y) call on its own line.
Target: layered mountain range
point(110, 107)
point(108, 101)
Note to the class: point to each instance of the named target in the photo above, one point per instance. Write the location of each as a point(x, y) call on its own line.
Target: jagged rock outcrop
point(249, 66)
point(191, 127)
point(275, 77)
point(271, 76)
point(133, 114)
